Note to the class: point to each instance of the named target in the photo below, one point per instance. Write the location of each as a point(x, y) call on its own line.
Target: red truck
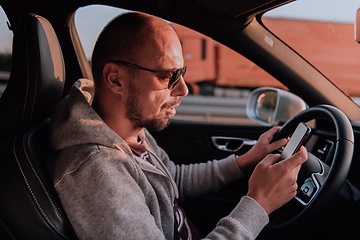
point(212, 63)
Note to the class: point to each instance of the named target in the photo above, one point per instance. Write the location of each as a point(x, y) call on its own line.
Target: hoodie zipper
point(166, 172)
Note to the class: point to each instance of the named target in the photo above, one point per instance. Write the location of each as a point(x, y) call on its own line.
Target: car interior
point(34, 89)
point(47, 58)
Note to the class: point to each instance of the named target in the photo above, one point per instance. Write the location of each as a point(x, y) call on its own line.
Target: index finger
point(269, 134)
point(274, 130)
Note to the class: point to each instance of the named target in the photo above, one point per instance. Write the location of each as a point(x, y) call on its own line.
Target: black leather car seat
point(29, 206)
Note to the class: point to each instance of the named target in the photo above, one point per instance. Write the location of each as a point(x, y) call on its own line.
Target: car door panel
point(191, 142)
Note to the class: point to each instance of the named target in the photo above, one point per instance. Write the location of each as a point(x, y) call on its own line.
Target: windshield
point(322, 31)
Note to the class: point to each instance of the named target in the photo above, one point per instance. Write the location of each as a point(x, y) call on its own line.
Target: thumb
point(295, 160)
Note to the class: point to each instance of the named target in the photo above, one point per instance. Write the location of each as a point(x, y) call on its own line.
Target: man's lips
point(170, 107)
point(172, 111)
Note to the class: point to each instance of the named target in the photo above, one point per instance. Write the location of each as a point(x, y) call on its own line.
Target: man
point(112, 178)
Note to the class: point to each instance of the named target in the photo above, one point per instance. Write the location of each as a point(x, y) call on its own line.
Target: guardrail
point(4, 77)
point(218, 109)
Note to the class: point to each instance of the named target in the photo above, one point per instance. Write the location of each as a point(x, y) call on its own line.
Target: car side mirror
point(272, 106)
point(357, 26)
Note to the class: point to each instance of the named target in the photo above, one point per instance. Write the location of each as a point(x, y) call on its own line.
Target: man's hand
point(262, 148)
point(273, 183)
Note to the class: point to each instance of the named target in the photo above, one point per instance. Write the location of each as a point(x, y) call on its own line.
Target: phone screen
point(299, 136)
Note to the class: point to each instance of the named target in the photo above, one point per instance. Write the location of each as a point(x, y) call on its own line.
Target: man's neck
point(132, 138)
point(121, 125)
point(124, 128)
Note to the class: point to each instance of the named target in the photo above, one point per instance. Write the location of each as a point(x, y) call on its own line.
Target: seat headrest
point(37, 75)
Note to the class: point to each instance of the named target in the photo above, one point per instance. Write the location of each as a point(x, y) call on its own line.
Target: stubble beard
point(135, 114)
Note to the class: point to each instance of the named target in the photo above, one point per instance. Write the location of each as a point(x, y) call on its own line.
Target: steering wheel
point(317, 182)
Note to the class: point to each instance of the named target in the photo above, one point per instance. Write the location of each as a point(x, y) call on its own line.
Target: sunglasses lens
point(175, 77)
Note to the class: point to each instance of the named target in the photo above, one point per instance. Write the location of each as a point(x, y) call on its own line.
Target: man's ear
point(113, 77)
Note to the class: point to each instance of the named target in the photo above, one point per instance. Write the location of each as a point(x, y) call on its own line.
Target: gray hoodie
point(107, 193)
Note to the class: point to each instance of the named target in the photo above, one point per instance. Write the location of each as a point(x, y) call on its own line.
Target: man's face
point(150, 103)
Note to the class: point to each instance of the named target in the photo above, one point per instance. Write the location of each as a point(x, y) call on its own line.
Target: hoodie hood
point(75, 122)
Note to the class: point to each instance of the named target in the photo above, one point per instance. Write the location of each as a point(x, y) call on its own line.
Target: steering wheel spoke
point(308, 190)
point(312, 176)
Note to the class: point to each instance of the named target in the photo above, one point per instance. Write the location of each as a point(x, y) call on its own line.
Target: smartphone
point(297, 139)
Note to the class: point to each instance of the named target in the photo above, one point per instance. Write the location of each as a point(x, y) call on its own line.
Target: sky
point(90, 20)
point(330, 10)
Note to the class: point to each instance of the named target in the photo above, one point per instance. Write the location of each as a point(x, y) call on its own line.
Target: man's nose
point(180, 89)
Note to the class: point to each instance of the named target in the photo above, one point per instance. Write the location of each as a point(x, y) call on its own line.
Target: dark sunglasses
point(174, 76)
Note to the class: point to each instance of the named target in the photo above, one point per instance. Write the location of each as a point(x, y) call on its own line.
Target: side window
point(219, 79)
point(323, 37)
point(5, 51)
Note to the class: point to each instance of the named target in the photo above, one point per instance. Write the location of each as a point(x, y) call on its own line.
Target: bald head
point(130, 37)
